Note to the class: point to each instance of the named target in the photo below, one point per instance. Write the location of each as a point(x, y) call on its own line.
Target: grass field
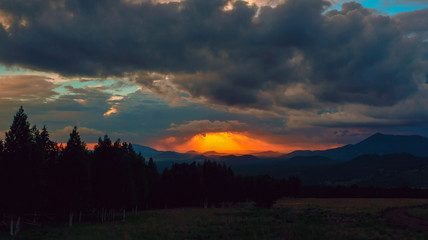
point(420, 212)
point(288, 219)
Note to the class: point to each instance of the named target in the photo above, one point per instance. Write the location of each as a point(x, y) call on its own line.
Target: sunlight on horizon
point(230, 143)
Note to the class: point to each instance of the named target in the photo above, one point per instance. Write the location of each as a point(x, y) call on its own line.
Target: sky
point(216, 75)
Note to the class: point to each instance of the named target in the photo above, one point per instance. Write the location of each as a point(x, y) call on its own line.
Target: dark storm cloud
point(415, 22)
point(364, 58)
point(243, 57)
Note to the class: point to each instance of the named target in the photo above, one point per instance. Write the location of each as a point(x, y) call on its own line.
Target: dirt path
point(401, 218)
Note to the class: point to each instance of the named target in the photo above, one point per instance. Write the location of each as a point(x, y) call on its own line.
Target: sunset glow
point(228, 142)
point(91, 146)
point(112, 110)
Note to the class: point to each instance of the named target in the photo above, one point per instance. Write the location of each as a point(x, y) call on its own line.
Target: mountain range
point(380, 160)
point(378, 143)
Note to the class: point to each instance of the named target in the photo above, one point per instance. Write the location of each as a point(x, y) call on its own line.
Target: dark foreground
point(288, 219)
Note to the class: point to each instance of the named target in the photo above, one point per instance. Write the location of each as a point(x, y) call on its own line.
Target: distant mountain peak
point(377, 143)
point(378, 134)
point(212, 153)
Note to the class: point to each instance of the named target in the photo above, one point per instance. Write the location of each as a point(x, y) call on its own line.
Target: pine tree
point(75, 145)
point(3, 179)
point(22, 188)
point(44, 142)
point(74, 169)
point(138, 171)
point(19, 138)
point(153, 180)
point(47, 151)
point(104, 174)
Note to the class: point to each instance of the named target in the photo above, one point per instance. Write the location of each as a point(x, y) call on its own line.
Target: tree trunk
point(136, 210)
point(34, 217)
point(17, 226)
point(124, 213)
point(80, 216)
point(11, 226)
point(70, 219)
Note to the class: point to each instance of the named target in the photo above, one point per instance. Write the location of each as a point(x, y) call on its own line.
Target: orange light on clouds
point(6, 19)
point(112, 110)
point(230, 143)
point(81, 101)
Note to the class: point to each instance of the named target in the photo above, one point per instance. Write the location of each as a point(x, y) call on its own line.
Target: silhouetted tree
point(49, 150)
point(126, 195)
point(74, 175)
point(19, 150)
point(263, 190)
point(139, 177)
point(4, 204)
point(290, 187)
point(41, 149)
point(152, 179)
point(132, 168)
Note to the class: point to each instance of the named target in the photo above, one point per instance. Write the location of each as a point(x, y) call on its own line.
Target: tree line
point(41, 179)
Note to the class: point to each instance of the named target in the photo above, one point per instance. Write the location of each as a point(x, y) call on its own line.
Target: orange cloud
point(81, 101)
point(115, 98)
point(113, 109)
point(6, 19)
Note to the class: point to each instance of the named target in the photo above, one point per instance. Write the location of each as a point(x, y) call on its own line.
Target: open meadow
point(288, 219)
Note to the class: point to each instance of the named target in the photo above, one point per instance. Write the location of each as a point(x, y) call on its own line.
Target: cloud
point(113, 110)
point(257, 2)
point(206, 126)
point(81, 101)
point(290, 62)
point(26, 88)
point(115, 98)
point(385, 2)
point(415, 23)
point(162, 85)
point(83, 131)
point(225, 57)
point(6, 20)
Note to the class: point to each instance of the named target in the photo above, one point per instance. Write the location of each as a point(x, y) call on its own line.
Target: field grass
point(420, 212)
point(288, 219)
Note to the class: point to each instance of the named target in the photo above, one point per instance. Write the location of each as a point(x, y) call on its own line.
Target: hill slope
point(376, 144)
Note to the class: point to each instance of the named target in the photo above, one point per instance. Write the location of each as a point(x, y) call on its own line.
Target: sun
point(228, 142)
point(220, 142)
